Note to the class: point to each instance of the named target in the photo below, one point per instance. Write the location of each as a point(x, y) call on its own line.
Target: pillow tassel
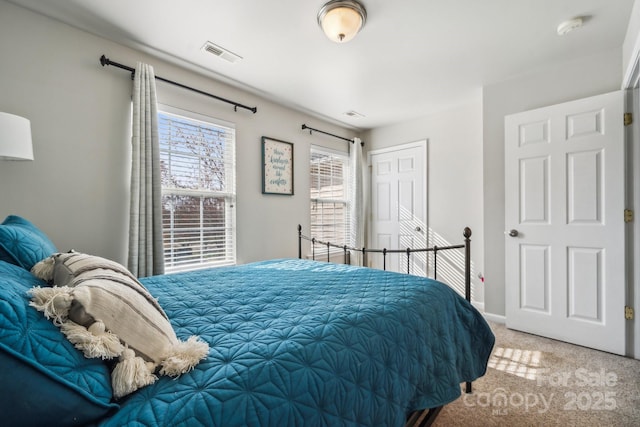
point(131, 373)
point(105, 312)
point(94, 341)
point(53, 302)
point(44, 269)
point(184, 356)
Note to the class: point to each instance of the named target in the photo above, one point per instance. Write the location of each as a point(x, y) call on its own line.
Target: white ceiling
point(412, 58)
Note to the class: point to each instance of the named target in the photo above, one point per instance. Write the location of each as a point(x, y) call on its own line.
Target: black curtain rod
point(106, 61)
point(311, 130)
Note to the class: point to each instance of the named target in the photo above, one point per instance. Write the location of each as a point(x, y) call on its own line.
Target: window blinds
point(197, 160)
point(329, 172)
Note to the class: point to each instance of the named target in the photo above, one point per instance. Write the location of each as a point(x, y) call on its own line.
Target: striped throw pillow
point(106, 312)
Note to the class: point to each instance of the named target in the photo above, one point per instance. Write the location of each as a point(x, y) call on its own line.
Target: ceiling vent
point(220, 52)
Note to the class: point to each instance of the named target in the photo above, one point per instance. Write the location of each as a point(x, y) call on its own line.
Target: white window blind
point(197, 159)
point(329, 172)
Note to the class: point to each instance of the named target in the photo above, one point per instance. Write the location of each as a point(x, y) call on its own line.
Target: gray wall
point(454, 188)
point(77, 188)
point(630, 52)
point(600, 73)
point(466, 156)
point(630, 46)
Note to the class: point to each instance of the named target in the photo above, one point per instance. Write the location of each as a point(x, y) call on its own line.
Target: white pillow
point(106, 312)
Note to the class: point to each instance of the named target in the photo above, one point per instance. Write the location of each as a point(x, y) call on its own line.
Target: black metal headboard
point(408, 251)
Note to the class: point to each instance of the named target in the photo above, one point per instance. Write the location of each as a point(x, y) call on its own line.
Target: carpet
point(536, 381)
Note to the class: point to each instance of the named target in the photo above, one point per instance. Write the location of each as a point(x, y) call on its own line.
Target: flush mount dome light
point(341, 20)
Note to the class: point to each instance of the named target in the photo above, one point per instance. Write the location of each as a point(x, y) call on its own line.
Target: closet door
point(398, 206)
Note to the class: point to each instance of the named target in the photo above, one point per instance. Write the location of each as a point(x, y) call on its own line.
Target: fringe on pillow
point(184, 356)
point(53, 302)
point(44, 269)
point(131, 373)
point(94, 341)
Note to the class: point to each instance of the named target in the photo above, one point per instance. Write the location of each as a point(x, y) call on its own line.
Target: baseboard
point(497, 318)
point(478, 305)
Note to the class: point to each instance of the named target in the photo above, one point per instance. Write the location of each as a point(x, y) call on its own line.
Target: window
point(329, 196)
point(197, 161)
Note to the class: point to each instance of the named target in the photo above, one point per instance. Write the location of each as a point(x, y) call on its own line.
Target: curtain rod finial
point(104, 60)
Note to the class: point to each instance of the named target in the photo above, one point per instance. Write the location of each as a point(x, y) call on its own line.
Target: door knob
point(512, 233)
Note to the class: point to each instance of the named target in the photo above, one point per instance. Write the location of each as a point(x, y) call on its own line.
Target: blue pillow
point(45, 380)
point(22, 243)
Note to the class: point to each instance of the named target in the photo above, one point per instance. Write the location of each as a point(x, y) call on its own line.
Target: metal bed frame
point(430, 414)
point(408, 251)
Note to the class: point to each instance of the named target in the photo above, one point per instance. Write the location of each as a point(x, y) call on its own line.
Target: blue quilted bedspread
point(297, 342)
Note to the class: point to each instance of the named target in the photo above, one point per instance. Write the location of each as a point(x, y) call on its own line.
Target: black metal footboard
point(408, 251)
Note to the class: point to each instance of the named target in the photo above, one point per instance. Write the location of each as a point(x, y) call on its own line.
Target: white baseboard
point(497, 318)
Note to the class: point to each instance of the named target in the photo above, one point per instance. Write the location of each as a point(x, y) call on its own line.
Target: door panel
point(398, 183)
point(585, 284)
point(534, 282)
point(564, 194)
point(584, 178)
point(383, 201)
point(534, 190)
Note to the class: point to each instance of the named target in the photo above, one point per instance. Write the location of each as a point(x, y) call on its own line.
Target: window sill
point(194, 267)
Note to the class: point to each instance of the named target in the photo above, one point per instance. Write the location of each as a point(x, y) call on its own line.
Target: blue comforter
point(295, 342)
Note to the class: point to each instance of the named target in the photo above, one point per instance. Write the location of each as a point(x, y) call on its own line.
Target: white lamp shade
point(15, 138)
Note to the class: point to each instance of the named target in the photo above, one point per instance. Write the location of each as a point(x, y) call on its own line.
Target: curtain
point(145, 216)
point(357, 214)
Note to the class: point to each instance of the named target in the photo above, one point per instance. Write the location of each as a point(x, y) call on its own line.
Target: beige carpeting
point(535, 381)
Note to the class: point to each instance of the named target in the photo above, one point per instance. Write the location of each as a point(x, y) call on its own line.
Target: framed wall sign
point(277, 166)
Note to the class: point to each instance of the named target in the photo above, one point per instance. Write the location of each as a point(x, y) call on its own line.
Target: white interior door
point(398, 206)
point(564, 213)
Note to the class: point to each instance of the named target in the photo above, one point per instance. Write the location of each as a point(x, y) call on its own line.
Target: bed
point(291, 342)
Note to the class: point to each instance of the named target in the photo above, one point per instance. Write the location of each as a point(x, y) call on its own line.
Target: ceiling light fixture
point(341, 20)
